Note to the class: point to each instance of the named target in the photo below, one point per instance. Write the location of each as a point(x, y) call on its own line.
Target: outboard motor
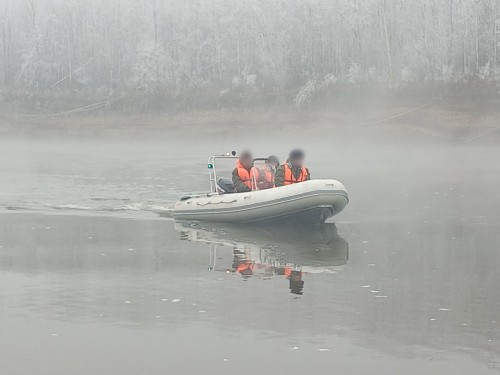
point(225, 186)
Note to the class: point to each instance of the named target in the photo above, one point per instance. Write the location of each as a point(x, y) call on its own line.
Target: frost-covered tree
point(271, 45)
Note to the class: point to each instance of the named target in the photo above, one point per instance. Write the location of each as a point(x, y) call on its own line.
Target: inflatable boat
point(311, 201)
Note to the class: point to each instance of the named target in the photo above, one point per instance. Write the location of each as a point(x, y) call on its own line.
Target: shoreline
point(458, 112)
point(423, 121)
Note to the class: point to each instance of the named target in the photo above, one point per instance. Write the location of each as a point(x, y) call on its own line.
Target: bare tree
point(176, 46)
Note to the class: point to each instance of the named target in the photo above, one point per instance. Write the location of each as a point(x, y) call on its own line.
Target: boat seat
point(225, 186)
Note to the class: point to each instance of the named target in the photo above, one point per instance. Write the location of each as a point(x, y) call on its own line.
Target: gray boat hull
point(309, 202)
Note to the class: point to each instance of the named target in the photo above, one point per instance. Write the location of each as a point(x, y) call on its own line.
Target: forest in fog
point(182, 46)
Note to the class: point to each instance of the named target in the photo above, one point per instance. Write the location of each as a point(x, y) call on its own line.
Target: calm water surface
point(94, 280)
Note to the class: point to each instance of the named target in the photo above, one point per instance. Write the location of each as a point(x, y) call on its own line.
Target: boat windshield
point(260, 167)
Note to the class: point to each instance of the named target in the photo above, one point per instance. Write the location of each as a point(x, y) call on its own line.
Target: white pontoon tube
point(311, 201)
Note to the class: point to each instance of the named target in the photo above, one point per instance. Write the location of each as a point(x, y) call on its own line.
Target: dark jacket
point(239, 186)
point(279, 177)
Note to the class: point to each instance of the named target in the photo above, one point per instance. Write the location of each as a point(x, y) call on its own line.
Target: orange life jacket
point(290, 177)
point(246, 267)
point(246, 176)
point(264, 175)
point(289, 272)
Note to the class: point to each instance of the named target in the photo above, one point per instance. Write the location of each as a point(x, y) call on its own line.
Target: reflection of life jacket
point(290, 177)
point(289, 272)
point(245, 268)
point(246, 176)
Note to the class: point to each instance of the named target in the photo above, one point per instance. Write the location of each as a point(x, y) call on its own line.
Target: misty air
point(249, 186)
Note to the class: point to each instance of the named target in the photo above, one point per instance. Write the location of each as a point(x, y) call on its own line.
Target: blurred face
point(246, 161)
point(297, 162)
point(272, 164)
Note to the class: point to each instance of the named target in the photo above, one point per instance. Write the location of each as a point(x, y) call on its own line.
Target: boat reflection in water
point(265, 252)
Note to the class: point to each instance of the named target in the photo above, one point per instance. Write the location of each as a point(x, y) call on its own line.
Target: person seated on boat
point(293, 171)
point(265, 176)
point(244, 176)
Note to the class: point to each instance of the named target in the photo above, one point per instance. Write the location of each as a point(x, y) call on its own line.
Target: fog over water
point(95, 279)
point(424, 178)
point(109, 111)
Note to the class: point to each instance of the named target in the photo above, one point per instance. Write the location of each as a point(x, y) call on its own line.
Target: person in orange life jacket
point(265, 177)
point(293, 171)
point(244, 175)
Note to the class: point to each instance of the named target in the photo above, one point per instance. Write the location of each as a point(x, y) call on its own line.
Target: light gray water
point(94, 281)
